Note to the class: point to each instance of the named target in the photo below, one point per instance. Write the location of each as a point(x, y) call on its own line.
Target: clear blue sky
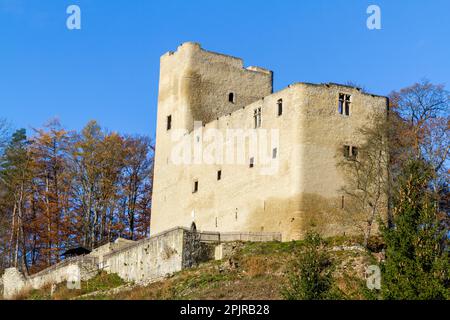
point(108, 70)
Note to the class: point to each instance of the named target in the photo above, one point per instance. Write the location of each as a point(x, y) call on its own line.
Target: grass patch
point(269, 248)
point(102, 282)
point(206, 279)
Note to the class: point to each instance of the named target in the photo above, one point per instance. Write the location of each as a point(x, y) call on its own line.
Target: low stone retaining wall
point(73, 269)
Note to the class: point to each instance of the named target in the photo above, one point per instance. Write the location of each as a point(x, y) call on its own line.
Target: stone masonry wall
point(84, 267)
point(13, 282)
point(148, 259)
point(171, 251)
point(75, 269)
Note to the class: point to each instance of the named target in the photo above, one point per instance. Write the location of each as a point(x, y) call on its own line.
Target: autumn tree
point(113, 184)
point(425, 108)
point(136, 184)
point(52, 181)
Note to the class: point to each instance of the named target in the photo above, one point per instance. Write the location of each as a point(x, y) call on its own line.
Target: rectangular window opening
point(355, 153)
point(347, 151)
point(231, 97)
point(195, 189)
point(252, 162)
point(219, 175)
point(344, 104)
point(274, 153)
point(280, 107)
point(351, 152)
point(169, 122)
point(341, 104)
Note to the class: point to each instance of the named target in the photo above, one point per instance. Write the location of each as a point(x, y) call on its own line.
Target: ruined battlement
point(192, 48)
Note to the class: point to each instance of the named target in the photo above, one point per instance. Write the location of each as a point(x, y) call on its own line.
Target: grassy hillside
point(253, 271)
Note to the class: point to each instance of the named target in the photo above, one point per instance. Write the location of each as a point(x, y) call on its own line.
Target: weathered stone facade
point(303, 193)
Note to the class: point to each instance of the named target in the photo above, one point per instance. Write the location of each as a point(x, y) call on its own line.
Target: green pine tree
point(14, 162)
point(311, 275)
point(417, 260)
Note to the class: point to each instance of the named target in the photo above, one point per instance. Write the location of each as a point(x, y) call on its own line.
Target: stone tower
point(198, 85)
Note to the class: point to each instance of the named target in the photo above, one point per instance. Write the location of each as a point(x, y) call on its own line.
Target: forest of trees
point(61, 189)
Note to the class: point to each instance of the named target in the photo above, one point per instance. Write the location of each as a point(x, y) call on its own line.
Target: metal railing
point(239, 236)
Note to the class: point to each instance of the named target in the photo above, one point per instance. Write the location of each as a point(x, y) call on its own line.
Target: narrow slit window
point(252, 162)
point(195, 187)
point(274, 153)
point(169, 122)
point(347, 151)
point(355, 153)
point(219, 175)
point(280, 107)
point(347, 105)
point(231, 97)
point(341, 103)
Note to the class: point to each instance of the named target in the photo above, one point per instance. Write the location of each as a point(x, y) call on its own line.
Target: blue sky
point(109, 69)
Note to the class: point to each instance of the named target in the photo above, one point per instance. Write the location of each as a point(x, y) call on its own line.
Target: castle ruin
point(272, 175)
